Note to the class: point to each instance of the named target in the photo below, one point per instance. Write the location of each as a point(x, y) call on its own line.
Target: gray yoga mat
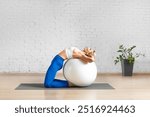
point(40, 86)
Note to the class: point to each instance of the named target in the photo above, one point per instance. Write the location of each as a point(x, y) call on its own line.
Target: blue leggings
point(50, 81)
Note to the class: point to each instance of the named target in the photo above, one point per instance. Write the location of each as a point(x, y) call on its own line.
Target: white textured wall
point(33, 31)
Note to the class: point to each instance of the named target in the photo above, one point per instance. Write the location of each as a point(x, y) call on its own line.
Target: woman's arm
point(82, 55)
point(77, 53)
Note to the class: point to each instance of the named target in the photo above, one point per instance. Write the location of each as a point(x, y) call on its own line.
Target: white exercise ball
point(80, 73)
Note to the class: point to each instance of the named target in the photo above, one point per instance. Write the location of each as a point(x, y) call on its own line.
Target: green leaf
point(117, 57)
point(132, 47)
point(121, 46)
point(116, 61)
point(119, 51)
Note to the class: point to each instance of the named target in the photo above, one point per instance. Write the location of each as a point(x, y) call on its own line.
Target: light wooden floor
point(136, 87)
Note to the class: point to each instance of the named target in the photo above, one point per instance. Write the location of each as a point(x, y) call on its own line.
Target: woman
point(86, 55)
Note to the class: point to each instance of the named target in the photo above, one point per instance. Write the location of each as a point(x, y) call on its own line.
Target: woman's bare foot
point(71, 84)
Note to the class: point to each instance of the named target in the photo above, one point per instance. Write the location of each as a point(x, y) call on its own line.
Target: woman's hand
point(89, 52)
point(87, 55)
point(87, 59)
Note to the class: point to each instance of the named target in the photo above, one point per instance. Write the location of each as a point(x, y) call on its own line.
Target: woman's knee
point(47, 85)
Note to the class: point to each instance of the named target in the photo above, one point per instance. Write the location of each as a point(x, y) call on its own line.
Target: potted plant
point(127, 59)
